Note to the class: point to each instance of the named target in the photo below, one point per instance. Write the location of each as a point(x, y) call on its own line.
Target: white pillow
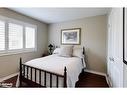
point(78, 51)
point(66, 51)
point(56, 51)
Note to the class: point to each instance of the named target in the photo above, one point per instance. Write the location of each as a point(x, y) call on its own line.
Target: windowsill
point(17, 52)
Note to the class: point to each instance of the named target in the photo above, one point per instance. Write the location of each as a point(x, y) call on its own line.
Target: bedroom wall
point(10, 64)
point(93, 37)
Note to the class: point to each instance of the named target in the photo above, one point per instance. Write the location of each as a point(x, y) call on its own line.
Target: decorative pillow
point(78, 51)
point(56, 51)
point(66, 51)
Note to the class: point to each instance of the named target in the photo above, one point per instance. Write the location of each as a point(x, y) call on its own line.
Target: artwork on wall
point(71, 36)
point(125, 35)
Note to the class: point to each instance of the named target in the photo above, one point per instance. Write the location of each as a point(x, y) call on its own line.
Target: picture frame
point(125, 35)
point(71, 36)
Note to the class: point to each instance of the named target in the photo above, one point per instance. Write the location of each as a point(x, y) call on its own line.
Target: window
point(30, 37)
point(2, 35)
point(16, 36)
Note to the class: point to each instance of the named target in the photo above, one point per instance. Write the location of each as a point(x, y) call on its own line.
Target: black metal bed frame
point(32, 83)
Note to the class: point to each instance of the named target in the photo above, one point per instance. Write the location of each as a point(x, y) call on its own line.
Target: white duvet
point(55, 63)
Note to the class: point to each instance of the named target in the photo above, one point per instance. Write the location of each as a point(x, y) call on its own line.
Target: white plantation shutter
point(15, 36)
point(30, 37)
point(2, 35)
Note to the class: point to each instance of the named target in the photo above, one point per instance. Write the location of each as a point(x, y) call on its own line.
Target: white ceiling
point(55, 15)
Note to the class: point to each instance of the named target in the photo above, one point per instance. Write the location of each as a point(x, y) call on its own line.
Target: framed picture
point(125, 35)
point(71, 36)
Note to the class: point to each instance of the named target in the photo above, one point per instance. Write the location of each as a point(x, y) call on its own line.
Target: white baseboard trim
point(100, 73)
point(95, 72)
point(7, 77)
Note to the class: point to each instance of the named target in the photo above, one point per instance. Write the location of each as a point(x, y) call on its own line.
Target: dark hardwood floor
point(85, 80)
point(91, 80)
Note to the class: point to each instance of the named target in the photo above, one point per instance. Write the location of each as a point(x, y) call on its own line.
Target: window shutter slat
point(30, 37)
point(2, 35)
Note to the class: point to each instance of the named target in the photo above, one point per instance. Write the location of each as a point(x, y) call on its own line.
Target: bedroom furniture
point(26, 75)
point(43, 55)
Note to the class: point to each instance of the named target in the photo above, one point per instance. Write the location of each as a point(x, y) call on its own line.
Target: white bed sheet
point(55, 63)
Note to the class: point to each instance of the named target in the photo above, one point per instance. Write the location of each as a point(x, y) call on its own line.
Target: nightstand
point(43, 55)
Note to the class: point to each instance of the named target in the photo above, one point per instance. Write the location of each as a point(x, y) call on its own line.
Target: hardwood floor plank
point(91, 80)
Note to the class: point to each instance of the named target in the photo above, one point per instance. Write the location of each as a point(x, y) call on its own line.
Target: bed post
point(83, 51)
point(82, 58)
point(20, 76)
point(65, 77)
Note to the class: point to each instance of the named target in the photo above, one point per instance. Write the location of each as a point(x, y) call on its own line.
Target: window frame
point(23, 24)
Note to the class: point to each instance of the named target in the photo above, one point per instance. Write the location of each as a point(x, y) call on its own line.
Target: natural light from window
point(2, 35)
point(30, 37)
point(16, 36)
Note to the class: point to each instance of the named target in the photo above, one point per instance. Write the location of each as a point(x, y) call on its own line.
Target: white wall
point(93, 37)
point(10, 64)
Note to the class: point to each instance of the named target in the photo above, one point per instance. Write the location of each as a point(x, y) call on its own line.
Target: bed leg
point(20, 75)
point(82, 73)
point(83, 70)
point(65, 77)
